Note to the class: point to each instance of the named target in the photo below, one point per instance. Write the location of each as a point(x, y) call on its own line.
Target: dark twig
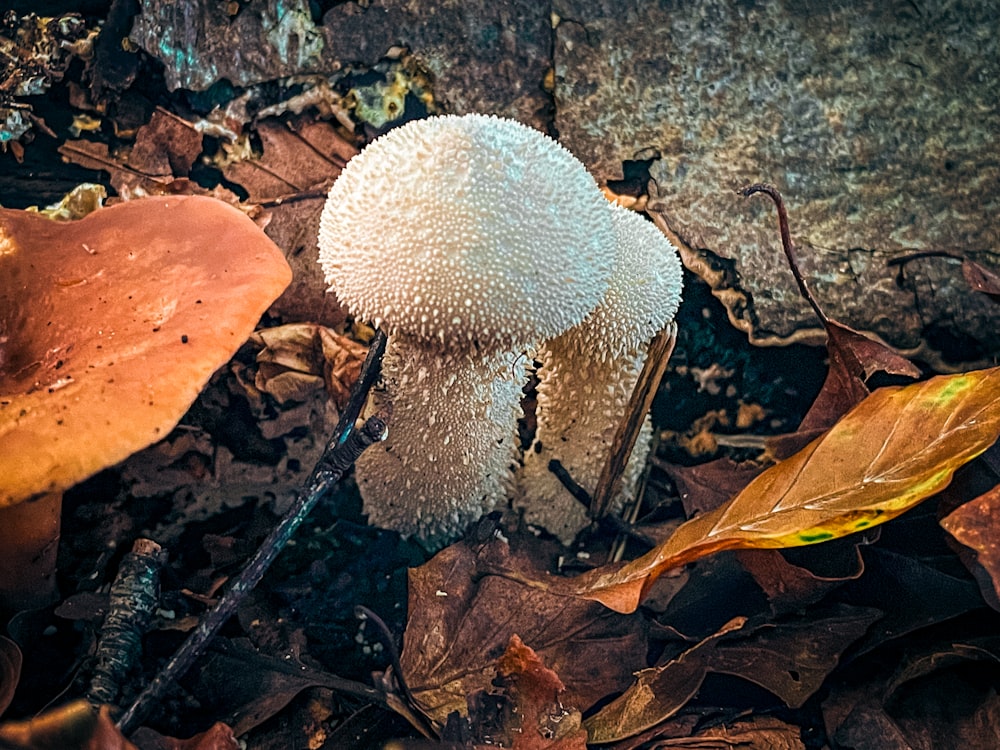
point(566, 480)
point(904, 259)
point(786, 243)
point(342, 450)
point(409, 708)
point(610, 522)
point(134, 596)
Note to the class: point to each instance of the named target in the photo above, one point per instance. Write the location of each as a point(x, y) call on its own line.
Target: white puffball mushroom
point(588, 374)
point(467, 229)
point(468, 239)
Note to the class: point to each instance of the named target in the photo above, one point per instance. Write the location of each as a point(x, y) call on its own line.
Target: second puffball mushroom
point(469, 240)
point(588, 374)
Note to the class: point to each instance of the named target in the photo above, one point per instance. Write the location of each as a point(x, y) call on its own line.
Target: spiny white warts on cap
point(462, 229)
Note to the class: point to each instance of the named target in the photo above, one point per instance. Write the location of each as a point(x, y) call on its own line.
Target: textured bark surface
point(876, 121)
point(484, 56)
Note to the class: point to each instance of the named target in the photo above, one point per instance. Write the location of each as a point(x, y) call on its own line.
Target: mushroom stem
point(588, 375)
point(452, 438)
point(29, 542)
point(581, 402)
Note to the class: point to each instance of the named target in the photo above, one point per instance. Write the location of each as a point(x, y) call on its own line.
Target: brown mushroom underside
point(111, 325)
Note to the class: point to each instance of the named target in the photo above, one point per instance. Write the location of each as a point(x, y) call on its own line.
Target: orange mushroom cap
point(110, 326)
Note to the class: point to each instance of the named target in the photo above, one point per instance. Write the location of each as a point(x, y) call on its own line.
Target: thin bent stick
point(786, 243)
point(343, 449)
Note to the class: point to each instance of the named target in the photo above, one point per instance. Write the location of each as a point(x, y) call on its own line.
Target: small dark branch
point(371, 368)
point(608, 522)
point(413, 713)
point(134, 596)
point(619, 526)
point(342, 450)
point(786, 243)
point(297, 197)
point(567, 481)
point(903, 259)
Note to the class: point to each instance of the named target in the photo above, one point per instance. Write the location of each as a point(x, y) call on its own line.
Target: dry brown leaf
point(790, 659)
point(539, 721)
point(752, 733)
point(302, 155)
point(789, 586)
point(938, 698)
point(462, 617)
point(217, 737)
point(167, 146)
point(981, 278)
point(658, 692)
point(854, 358)
point(299, 357)
point(706, 486)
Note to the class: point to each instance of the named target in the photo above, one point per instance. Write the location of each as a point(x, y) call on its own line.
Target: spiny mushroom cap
point(467, 229)
point(644, 290)
point(110, 326)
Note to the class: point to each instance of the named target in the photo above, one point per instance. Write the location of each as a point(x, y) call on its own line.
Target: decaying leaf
point(751, 733)
point(167, 146)
point(704, 487)
point(791, 659)
point(658, 692)
point(266, 686)
point(216, 737)
point(790, 586)
point(298, 156)
point(298, 358)
point(854, 358)
point(933, 699)
point(896, 448)
point(981, 278)
point(462, 617)
point(977, 525)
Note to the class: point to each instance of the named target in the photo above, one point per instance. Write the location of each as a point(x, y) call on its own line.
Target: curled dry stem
point(786, 243)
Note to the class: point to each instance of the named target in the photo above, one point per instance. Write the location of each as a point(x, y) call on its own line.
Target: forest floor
point(886, 638)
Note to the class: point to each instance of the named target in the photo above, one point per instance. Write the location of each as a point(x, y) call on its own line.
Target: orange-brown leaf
point(975, 525)
point(897, 447)
point(542, 721)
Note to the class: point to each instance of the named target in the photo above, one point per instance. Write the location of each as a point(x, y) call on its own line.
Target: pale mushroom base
point(452, 440)
point(578, 436)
